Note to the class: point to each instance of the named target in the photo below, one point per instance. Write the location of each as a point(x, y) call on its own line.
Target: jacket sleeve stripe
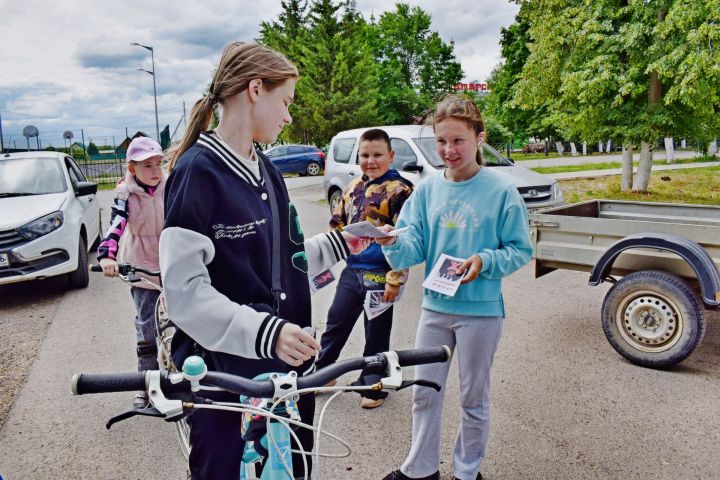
point(341, 241)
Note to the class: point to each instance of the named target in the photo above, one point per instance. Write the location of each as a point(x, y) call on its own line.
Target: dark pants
point(145, 300)
point(217, 445)
point(344, 312)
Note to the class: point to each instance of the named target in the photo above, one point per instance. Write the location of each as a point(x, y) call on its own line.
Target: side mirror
point(84, 189)
point(412, 167)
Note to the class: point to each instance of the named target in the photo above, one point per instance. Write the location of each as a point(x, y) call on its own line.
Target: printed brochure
point(443, 277)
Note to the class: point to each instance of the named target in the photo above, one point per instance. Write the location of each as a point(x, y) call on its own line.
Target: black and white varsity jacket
point(215, 259)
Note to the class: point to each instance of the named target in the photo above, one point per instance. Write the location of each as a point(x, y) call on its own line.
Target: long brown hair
point(453, 106)
point(240, 63)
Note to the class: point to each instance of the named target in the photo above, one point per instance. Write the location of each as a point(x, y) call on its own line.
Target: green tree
point(287, 33)
point(415, 66)
point(337, 88)
point(623, 69)
point(92, 149)
point(523, 123)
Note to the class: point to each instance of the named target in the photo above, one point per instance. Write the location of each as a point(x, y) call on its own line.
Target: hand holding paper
point(471, 268)
point(355, 243)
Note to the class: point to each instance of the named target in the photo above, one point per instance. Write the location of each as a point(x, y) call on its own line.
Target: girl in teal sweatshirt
point(475, 214)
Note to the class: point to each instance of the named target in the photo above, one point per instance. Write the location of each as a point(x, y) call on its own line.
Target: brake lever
point(148, 412)
point(421, 383)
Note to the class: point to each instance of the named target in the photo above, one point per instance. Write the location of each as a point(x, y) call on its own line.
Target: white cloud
point(70, 66)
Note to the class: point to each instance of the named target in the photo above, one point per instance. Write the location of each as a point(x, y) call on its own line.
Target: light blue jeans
point(475, 339)
point(145, 300)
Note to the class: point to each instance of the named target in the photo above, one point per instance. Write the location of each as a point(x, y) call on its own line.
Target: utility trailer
point(663, 260)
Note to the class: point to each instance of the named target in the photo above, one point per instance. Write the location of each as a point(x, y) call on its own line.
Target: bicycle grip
point(420, 356)
point(96, 268)
point(84, 383)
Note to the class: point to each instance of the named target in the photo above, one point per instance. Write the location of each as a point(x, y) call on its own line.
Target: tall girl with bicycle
point(226, 207)
point(476, 214)
point(136, 221)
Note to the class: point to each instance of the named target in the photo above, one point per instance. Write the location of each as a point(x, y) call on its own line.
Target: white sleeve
point(324, 250)
point(198, 309)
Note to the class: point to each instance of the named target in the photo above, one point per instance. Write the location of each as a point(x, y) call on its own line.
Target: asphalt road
point(565, 405)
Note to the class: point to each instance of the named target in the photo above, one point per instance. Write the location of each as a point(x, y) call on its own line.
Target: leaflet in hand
point(443, 277)
point(367, 229)
point(374, 304)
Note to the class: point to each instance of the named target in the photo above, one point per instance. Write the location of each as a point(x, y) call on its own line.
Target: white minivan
point(416, 158)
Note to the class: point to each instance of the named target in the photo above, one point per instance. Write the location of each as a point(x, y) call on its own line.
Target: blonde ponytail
point(200, 118)
point(239, 64)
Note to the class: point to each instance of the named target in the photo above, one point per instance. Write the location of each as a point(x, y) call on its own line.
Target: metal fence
point(106, 170)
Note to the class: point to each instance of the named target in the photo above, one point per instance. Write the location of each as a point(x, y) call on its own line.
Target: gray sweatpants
point(476, 339)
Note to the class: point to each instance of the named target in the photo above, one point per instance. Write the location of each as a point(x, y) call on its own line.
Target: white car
point(49, 218)
point(416, 158)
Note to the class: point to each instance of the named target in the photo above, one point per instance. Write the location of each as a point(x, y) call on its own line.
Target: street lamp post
point(152, 57)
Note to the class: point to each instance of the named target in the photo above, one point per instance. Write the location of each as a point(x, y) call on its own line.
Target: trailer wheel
point(653, 318)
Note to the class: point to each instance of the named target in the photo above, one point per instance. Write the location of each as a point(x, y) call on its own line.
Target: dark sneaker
point(479, 477)
point(140, 401)
point(398, 475)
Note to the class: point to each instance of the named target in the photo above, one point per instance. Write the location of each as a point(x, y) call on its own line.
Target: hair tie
point(212, 98)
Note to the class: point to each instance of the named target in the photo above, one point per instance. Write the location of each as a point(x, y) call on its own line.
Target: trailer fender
point(693, 253)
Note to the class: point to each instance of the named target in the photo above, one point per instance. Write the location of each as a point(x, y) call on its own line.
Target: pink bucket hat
point(143, 148)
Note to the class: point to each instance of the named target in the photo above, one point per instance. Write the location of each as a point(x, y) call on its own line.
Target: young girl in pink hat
point(136, 221)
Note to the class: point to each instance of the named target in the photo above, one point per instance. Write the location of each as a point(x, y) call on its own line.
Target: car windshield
point(427, 145)
point(30, 176)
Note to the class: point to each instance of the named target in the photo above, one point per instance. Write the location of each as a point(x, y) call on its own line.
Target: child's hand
point(386, 241)
point(109, 267)
point(473, 265)
point(356, 244)
point(295, 346)
point(391, 292)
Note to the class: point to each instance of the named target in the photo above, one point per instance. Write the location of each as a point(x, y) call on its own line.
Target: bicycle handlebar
point(84, 383)
point(126, 269)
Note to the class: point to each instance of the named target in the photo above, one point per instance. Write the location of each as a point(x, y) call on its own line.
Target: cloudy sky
point(71, 67)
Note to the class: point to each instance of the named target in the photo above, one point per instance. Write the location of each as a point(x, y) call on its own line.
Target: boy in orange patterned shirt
point(377, 197)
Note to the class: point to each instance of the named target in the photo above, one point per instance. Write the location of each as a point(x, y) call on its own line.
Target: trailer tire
point(653, 318)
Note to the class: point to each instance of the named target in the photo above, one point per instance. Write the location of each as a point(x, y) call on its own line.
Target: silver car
point(416, 159)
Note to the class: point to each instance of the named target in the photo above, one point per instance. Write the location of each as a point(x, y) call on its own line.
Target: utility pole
point(82, 134)
point(184, 116)
point(2, 144)
point(152, 57)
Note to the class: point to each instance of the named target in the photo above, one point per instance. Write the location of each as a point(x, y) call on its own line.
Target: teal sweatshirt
point(484, 215)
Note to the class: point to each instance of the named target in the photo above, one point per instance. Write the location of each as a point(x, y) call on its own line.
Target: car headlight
point(42, 226)
point(556, 192)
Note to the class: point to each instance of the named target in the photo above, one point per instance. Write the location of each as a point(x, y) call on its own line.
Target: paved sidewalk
point(615, 157)
point(618, 171)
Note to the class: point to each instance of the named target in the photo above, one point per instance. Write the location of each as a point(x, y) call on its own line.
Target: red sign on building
point(474, 86)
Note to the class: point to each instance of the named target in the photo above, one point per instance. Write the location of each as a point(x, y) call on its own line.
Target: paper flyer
point(374, 304)
point(321, 280)
point(367, 229)
point(442, 278)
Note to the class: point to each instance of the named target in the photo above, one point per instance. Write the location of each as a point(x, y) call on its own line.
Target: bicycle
point(175, 394)
point(164, 331)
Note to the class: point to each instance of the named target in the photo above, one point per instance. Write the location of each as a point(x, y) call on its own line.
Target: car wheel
point(653, 318)
point(313, 168)
point(81, 276)
point(335, 199)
